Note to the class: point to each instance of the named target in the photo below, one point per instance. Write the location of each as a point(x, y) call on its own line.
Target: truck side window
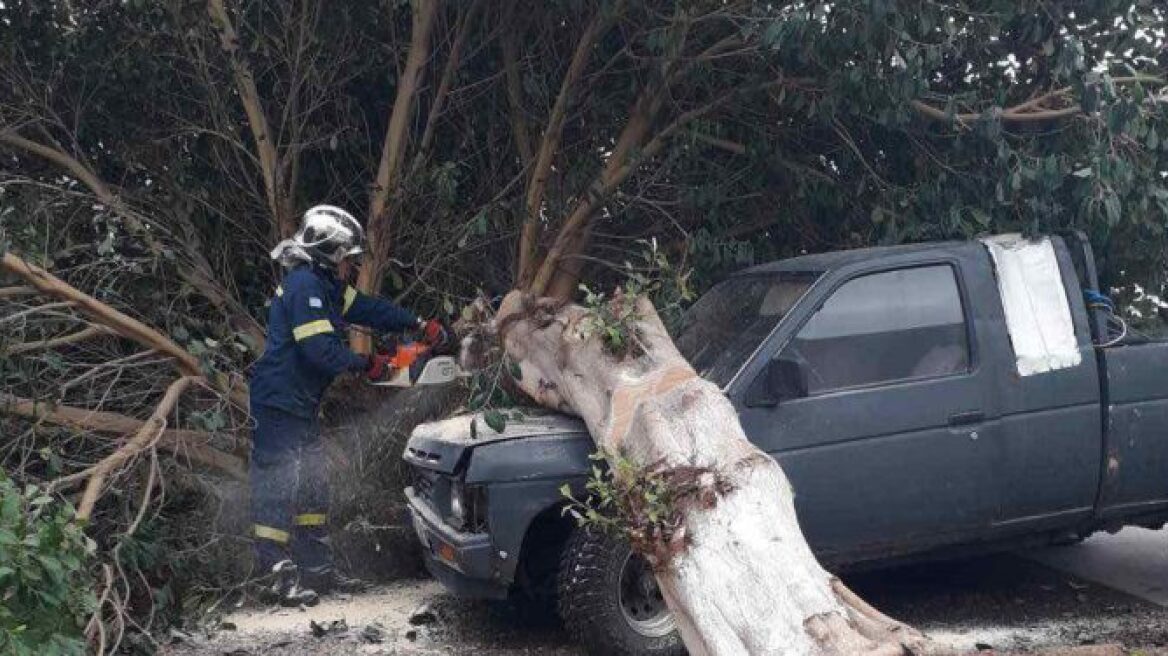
point(884, 327)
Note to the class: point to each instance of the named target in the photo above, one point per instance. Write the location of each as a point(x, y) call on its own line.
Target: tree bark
point(393, 152)
point(736, 572)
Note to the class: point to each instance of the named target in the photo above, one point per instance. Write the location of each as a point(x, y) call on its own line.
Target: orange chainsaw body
point(405, 355)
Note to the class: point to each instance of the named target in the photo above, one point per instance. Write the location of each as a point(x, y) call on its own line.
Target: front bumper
point(464, 563)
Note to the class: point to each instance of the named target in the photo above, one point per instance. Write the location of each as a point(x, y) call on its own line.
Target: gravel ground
point(1002, 602)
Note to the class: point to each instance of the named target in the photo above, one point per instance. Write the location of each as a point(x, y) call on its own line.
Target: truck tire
point(609, 601)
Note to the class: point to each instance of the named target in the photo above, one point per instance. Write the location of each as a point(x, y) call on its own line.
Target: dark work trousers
point(289, 491)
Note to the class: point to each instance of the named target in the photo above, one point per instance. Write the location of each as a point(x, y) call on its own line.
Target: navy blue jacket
point(305, 350)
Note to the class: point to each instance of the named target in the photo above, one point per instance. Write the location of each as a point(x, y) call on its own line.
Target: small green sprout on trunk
point(644, 505)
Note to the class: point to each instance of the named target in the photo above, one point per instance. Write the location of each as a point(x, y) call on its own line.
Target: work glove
point(434, 331)
point(378, 366)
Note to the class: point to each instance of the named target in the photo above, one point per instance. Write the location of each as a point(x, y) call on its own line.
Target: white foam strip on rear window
point(1038, 316)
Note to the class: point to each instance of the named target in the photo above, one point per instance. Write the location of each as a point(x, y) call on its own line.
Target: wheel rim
point(641, 602)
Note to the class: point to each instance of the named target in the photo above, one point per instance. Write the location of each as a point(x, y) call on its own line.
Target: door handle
point(967, 418)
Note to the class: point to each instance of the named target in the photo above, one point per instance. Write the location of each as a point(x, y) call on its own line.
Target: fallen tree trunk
point(730, 557)
point(183, 444)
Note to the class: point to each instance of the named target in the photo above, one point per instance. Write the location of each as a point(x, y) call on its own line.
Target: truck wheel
point(609, 601)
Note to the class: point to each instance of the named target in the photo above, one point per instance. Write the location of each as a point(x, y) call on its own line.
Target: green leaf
point(495, 420)
point(566, 490)
point(1112, 207)
point(514, 370)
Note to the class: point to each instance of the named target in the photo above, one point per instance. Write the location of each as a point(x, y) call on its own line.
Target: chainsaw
point(414, 362)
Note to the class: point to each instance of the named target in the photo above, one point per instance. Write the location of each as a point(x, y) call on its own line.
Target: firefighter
point(304, 353)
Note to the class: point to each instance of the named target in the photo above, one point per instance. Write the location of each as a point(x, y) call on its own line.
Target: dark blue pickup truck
point(887, 384)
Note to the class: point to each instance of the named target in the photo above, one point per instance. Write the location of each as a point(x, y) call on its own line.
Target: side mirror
point(782, 379)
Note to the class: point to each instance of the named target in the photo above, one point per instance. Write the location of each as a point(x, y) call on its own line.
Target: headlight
point(457, 505)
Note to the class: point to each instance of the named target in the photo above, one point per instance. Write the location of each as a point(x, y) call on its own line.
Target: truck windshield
point(721, 331)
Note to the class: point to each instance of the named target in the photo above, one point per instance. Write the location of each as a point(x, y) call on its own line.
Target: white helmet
point(329, 234)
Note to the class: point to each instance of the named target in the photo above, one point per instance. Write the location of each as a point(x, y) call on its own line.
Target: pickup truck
point(885, 382)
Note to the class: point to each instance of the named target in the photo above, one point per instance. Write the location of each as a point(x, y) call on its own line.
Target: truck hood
point(444, 445)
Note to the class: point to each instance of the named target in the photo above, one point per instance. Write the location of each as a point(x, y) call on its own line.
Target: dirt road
point(1005, 602)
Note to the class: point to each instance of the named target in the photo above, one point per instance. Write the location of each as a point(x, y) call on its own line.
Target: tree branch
point(452, 62)
point(394, 148)
point(56, 342)
point(184, 444)
point(120, 323)
point(550, 144)
point(515, 89)
point(75, 168)
point(149, 433)
point(198, 274)
point(723, 144)
point(256, 118)
point(9, 292)
point(1028, 111)
point(573, 236)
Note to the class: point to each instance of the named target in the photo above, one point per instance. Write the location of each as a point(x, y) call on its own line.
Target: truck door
point(883, 426)
point(1051, 427)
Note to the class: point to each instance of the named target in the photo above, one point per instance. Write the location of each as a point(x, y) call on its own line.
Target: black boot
point(284, 587)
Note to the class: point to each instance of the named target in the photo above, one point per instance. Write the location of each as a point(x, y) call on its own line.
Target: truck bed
point(1135, 462)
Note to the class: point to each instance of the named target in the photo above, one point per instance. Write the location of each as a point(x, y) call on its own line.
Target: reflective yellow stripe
point(311, 328)
point(350, 296)
point(310, 519)
point(269, 533)
point(280, 291)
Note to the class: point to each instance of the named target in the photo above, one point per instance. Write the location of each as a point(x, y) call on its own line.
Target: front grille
point(433, 488)
point(423, 484)
point(425, 456)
